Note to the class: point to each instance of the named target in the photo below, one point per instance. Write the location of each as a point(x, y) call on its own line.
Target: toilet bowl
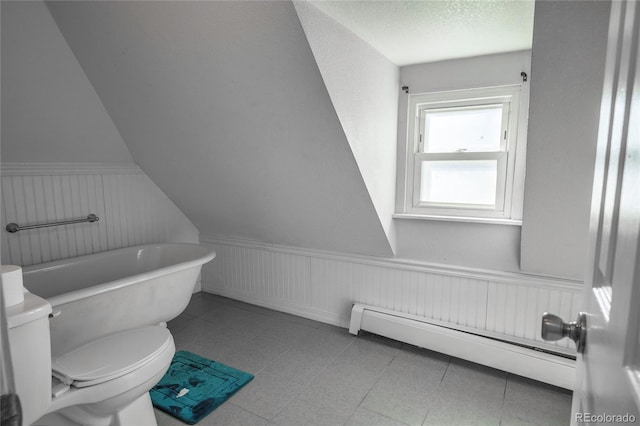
point(104, 382)
point(95, 383)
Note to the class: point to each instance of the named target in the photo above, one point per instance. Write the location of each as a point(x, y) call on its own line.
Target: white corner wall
point(568, 56)
point(477, 245)
point(50, 111)
point(364, 87)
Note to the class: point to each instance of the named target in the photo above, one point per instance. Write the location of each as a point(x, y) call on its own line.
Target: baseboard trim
point(283, 306)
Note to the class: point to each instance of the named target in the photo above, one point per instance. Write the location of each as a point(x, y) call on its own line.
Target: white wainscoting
point(131, 208)
point(324, 286)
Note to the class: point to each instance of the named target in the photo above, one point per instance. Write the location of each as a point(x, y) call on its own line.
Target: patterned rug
point(195, 386)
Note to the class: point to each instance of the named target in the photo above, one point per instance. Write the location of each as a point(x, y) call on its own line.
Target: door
point(608, 370)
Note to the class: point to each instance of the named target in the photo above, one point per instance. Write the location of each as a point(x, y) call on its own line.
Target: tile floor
point(309, 373)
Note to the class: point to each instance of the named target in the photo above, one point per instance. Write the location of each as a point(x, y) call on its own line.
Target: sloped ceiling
point(50, 111)
point(223, 106)
point(363, 86)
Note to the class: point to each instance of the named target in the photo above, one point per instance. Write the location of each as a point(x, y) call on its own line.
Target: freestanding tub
point(103, 293)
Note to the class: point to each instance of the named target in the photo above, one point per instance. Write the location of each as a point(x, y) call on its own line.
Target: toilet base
point(139, 412)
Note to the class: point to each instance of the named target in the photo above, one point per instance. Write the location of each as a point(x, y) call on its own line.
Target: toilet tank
point(28, 324)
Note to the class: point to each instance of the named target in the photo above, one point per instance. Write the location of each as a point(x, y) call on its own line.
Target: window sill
point(487, 220)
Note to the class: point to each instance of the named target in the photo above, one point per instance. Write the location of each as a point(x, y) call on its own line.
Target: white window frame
point(510, 158)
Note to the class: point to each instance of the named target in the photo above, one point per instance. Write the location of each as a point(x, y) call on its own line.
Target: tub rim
point(208, 255)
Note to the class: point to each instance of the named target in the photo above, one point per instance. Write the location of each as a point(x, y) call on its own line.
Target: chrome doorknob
point(554, 328)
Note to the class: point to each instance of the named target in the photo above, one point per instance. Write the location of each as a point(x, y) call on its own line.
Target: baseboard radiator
point(538, 365)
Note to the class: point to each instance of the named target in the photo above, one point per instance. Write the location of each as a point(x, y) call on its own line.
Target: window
point(462, 157)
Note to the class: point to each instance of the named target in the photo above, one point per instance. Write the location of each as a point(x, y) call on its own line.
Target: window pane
point(459, 182)
point(463, 129)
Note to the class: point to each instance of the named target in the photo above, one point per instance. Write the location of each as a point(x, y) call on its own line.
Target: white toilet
point(104, 382)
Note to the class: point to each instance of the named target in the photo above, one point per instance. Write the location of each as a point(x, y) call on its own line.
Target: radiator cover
point(537, 365)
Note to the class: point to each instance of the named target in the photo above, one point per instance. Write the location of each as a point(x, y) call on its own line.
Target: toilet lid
point(111, 356)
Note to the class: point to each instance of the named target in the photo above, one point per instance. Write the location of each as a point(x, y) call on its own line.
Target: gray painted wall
point(458, 243)
point(568, 55)
point(50, 111)
point(223, 105)
point(364, 87)
point(233, 120)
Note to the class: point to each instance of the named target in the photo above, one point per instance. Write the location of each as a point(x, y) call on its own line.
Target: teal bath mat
point(195, 386)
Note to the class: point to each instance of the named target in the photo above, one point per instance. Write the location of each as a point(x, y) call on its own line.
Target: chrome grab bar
point(14, 227)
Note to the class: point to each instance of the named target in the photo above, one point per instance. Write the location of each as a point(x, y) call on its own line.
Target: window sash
point(501, 160)
point(426, 109)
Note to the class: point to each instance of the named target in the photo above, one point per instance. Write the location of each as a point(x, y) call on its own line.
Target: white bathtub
point(102, 293)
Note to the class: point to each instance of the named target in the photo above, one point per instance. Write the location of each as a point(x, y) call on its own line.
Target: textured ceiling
point(413, 32)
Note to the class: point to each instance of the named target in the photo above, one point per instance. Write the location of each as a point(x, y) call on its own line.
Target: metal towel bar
point(14, 227)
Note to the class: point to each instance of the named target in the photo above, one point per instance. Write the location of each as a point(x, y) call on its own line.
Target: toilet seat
point(110, 357)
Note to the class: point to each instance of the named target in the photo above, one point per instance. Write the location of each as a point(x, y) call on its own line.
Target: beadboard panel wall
point(323, 286)
point(131, 208)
